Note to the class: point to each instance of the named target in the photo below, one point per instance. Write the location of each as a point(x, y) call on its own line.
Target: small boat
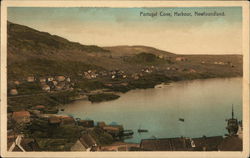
point(127, 132)
point(62, 109)
point(142, 130)
point(181, 119)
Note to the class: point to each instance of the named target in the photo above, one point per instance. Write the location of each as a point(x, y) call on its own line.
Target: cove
point(204, 104)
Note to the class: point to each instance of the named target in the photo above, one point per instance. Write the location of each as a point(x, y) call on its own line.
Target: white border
point(124, 4)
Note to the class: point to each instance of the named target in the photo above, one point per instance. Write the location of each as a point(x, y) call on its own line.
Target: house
point(16, 82)
point(46, 88)
point(219, 63)
point(13, 92)
point(174, 68)
point(207, 143)
point(108, 84)
point(180, 59)
point(54, 120)
point(166, 144)
point(78, 146)
point(50, 79)
point(101, 124)
point(67, 120)
point(29, 144)
point(87, 75)
point(21, 116)
point(156, 145)
point(135, 76)
point(42, 80)
point(124, 84)
point(93, 75)
point(160, 56)
point(68, 79)
point(30, 78)
point(35, 112)
point(60, 78)
point(86, 123)
point(88, 141)
point(51, 85)
point(47, 116)
point(148, 71)
point(192, 71)
point(181, 144)
point(60, 86)
point(40, 107)
point(67, 87)
point(231, 143)
point(103, 73)
point(113, 130)
point(55, 83)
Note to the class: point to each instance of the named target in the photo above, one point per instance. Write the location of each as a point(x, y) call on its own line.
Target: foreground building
point(21, 117)
point(166, 144)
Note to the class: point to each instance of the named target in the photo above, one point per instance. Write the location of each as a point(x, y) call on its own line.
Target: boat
point(127, 133)
point(232, 125)
point(142, 130)
point(181, 119)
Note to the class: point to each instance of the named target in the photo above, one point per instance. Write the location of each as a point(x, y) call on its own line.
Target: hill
point(133, 50)
point(32, 52)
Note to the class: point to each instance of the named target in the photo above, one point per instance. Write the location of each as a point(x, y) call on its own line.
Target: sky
point(126, 26)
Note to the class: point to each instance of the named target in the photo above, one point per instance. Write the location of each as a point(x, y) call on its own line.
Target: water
point(204, 104)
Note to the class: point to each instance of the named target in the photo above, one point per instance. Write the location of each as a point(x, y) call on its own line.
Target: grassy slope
point(34, 52)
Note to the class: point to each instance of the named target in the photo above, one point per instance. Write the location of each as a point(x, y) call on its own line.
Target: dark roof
point(67, 120)
point(207, 143)
point(86, 123)
point(54, 120)
point(87, 140)
point(29, 144)
point(136, 149)
point(231, 143)
point(166, 144)
point(181, 144)
point(21, 114)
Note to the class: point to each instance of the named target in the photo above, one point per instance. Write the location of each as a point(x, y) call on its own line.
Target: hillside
point(32, 52)
point(133, 50)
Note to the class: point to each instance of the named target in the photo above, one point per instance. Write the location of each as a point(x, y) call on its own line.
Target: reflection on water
point(204, 104)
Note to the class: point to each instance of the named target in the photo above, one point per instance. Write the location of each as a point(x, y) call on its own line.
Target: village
point(110, 79)
point(33, 128)
point(46, 132)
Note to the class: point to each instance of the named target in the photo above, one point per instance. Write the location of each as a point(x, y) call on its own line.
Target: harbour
point(201, 111)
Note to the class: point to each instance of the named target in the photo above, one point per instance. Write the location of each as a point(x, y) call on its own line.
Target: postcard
point(124, 79)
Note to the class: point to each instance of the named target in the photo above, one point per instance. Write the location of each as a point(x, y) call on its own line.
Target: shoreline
point(163, 83)
point(88, 115)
